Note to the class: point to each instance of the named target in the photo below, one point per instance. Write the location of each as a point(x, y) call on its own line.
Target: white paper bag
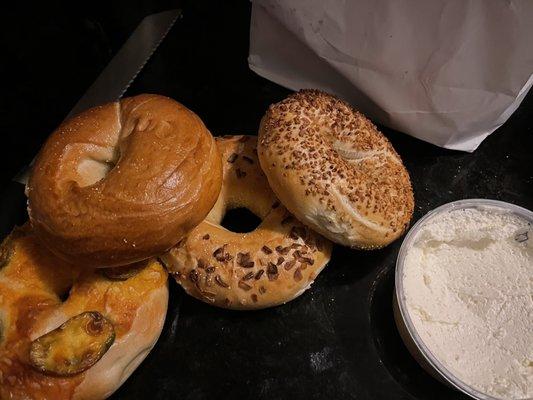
point(449, 72)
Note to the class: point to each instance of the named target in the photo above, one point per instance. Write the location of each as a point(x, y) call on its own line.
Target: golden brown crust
point(124, 181)
point(269, 266)
point(32, 285)
point(334, 170)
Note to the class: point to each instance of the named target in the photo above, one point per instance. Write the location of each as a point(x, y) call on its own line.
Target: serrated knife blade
point(124, 67)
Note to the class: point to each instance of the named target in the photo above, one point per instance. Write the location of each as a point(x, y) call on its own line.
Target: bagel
point(123, 182)
point(334, 170)
point(110, 320)
point(271, 265)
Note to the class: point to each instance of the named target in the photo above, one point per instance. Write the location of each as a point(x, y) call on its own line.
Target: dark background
point(336, 341)
point(51, 53)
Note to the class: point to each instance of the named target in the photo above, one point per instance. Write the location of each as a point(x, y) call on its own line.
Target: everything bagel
point(73, 333)
point(271, 265)
point(123, 182)
point(334, 170)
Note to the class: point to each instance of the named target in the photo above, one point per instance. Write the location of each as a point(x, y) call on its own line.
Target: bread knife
point(123, 68)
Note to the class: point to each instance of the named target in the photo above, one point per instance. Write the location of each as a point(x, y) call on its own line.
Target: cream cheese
point(468, 287)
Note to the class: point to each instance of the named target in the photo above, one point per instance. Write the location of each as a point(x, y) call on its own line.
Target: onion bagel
point(271, 265)
point(123, 182)
point(73, 333)
point(334, 170)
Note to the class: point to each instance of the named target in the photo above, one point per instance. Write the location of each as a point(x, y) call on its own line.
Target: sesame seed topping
point(266, 250)
point(338, 157)
point(272, 272)
point(298, 275)
point(220, 282)
point(244, 286)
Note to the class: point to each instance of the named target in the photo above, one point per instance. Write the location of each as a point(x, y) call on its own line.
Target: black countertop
point(336, 341)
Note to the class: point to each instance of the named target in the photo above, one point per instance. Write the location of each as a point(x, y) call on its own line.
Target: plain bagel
point(110, 319)
point(334, 170)
point(124, 181)
point(268, 266)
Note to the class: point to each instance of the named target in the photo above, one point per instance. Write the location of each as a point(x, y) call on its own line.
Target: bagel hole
point(347, 152)
point(91, 171)
point(64, 294)
point(240, 220)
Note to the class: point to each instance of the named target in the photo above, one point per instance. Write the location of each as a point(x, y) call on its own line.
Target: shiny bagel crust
point(40, 291)
point(268, 266)
point(334, 170)
point(123, 182)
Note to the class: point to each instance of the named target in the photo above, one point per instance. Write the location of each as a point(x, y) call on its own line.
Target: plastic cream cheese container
point(464, 297)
